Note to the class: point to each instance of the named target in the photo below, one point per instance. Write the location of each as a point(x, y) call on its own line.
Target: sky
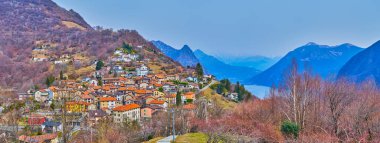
point(238, 27)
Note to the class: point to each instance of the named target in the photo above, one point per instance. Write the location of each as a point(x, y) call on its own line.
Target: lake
point(259, 91)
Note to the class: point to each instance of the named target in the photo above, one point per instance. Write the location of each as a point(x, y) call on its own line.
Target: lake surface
point(257, 90)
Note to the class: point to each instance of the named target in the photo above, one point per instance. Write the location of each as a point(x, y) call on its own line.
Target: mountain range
point(211, 65)
point(364, 65)
point(222, 70)
point(320, 60)
point(258, 62)
point(184, 56)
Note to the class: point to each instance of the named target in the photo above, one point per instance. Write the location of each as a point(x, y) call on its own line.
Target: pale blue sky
point(238, 27)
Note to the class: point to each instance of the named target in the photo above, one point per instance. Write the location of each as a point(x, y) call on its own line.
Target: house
point(51, 127)
point(77, 106)
point(126, 113)
point(36, 120)
point(171, 98)
point(160, 103)
point(43, 95)
point(188, 97)
point(86, 97)
point(192, 79)
point(146, 113)
point(142, 92)
point(157, 93)
point(233, 96)
point(142, 71)
point(148, 99)
point(95, 115)
point(107, 102)
point(46, 138)
point(24, 96)
point(93, 82)
point(172, 77)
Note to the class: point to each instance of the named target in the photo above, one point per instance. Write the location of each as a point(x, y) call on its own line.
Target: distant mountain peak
point(184, 56)
point(186, 48)
point(364, 65)
point(323, 60)
point(311, 44)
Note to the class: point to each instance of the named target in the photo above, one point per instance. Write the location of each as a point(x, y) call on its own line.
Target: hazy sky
point(239, 27)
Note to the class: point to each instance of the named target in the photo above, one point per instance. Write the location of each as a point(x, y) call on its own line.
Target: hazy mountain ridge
point(322, 60)
point(364, 65)
point(258, 62)
point(221, 70)
point(184, 56)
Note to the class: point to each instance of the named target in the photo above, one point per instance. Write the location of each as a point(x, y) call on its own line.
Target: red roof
point(156, 102)
point(38, 139)
point(126, 107)
point(105, 99)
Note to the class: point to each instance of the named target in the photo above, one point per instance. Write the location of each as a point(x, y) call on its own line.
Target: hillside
point(321, 60)
point(364, 65)
point(184, 56)
point(43, 30)
point(221, 70)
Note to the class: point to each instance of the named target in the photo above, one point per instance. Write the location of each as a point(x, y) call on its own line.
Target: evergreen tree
point(178, 99)
point(61, 75)
point(100, 82)
point(160, 89)
point(228, 85)
point(49, 80)
point(238, 91)
point(99, 65)
point(126, 48)
point(199, 71)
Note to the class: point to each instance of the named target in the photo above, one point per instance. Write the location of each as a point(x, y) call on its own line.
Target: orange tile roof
point(86, 92)
point(53, 88)
point(171, 95)
point(126, 107)
point(156, 102)
point(77, 102)
point(86, 96)
point(122, 78)
point(131, 88)
point(189, 106)
point(122, 89)
point(97, 87)
point(190, 95)
point(141, 91)
point(157, 84)
point(106, 99)
point(38, 139)
point(106, 88)
point(161, 76)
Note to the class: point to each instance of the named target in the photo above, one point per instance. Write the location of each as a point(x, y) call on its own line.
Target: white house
point(126, 112)
point(233, 96)
point(142, 71)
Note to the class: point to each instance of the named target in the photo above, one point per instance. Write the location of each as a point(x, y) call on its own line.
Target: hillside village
point(123, 88)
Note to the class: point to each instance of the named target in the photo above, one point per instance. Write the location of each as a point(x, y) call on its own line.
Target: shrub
point(290, 129)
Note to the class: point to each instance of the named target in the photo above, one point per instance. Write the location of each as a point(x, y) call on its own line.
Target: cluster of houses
point(124, 95)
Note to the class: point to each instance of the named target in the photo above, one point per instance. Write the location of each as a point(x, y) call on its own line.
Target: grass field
point(70, 24)
point(192, 138)
point(219, 99)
